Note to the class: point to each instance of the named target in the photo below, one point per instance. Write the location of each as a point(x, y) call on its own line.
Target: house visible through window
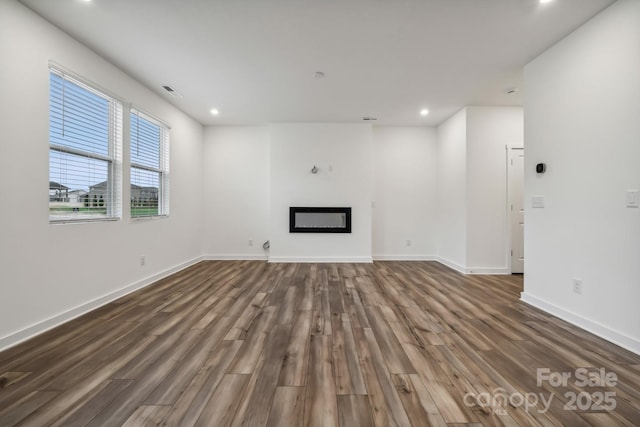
point(149, 166)
point(85, 140)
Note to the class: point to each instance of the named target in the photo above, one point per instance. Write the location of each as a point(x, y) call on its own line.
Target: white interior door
point(516, 208)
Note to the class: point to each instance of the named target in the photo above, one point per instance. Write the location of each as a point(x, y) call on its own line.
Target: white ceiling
point(254, 59)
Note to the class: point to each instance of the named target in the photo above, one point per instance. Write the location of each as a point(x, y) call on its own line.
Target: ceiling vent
point(369, 119)
point(171, 91)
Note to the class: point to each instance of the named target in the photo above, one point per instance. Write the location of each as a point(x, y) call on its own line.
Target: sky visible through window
point(145, 142)
point(145, 151)
point(80, 156)
point(79, 120)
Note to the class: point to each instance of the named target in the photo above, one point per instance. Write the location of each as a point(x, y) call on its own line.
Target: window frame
point(162, 170)
point(114, 147)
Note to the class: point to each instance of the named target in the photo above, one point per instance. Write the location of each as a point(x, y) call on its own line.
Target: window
point(149, 166)
point(85, 140)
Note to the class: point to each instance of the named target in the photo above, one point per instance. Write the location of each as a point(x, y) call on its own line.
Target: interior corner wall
point(582, 113)
point(489, 131)
point(51, 273)
point(404, 165)
point(343, 155)
point(236, 192)
point(452, 191)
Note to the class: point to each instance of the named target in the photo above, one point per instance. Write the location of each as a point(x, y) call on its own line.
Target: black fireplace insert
point(319, 220)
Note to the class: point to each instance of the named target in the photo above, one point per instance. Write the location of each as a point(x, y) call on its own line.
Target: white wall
point(236, 192)
point(582, 113)
point(404, 186)
point(489, 130)
point(472, 187)
point(452, 191)
point(237, 175)
point(343, 155)
point(50, 273)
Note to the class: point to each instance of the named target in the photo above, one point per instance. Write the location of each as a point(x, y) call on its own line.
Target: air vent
point(369, 119)
point(171, 91)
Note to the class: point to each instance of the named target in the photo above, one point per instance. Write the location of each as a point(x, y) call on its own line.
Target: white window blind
point(85, 140)
point(149, 166)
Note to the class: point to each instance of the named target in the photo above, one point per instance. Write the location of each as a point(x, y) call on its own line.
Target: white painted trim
point(473, 270)
point(452, 265)
point(236, 257)
point(508, 149)
point(404, 257)
point(488, 270)
point(618, 338)
point(355, 259)
point(38, 328)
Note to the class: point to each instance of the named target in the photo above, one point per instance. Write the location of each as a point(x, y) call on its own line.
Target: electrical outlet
point(250, 242)
point(408, 242)
point(143, 259)
point(577, 286)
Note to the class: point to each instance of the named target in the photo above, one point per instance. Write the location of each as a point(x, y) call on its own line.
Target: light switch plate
point(537, 201)
point(633, 198)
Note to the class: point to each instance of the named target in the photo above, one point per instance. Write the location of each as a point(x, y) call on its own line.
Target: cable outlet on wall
point(143, 259)
point(577, 286)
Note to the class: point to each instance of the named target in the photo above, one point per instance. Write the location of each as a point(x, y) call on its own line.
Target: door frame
point(507, 150)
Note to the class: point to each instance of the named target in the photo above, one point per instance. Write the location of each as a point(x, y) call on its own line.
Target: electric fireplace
point(319, 220)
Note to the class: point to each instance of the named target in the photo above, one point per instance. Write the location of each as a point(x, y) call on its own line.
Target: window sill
point(148, 218)
point(68, 221)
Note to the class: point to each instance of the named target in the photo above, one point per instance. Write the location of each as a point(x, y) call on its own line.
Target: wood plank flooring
point(247, 343)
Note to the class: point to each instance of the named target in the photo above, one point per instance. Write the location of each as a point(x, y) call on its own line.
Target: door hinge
point(512, 252)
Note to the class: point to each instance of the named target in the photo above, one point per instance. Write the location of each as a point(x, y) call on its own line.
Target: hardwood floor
point(247, 343)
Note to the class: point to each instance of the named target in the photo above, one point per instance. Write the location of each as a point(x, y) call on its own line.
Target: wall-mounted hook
point(314, 169)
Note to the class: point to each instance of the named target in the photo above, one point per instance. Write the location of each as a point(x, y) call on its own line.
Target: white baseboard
point(452, 265)
point(487, 270)
point(473, 270)
point(357, 259)
point(618, 338)
point(314, 259)
point(29, 332)
point(237, 257)
point(404, 257)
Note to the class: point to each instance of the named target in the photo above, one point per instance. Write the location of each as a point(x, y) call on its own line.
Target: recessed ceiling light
point(214, 111)
point(424, 112)
point(545, 1)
